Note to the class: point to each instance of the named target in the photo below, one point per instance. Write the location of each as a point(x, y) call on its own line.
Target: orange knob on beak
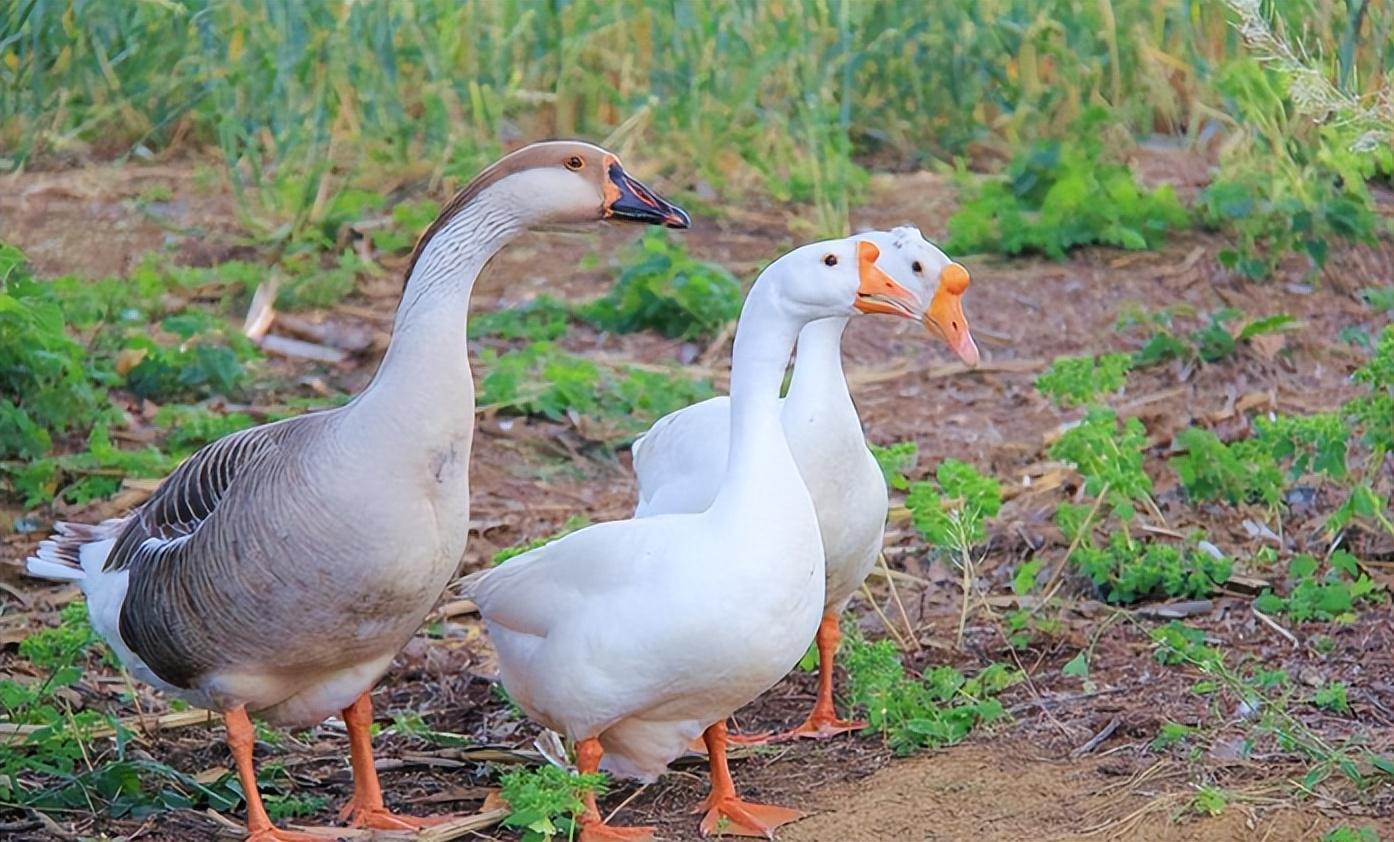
point(945, 318)
point(878, 292)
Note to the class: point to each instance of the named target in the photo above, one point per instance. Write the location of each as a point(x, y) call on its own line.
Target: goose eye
point(830, 260)
point(917, 268)
point(574, 162)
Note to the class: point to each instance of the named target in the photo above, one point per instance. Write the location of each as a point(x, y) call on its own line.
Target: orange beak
point(945, 318)
point(878, 292)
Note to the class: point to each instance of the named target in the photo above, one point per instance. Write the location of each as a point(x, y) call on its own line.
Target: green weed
point(411, 724)
point(543, 319)
point(1267, 698)
point(409, 219)
point(1212, 342)
point(541, 379)
point(1072, 381)
point(1123, 567)
point(546, 801)
point(1236, 473)
point(661, 287)
point(951, 514)
point(1288, 186)
point(1057, 195)
point(895, 461)
point(1333, 697)
point(937, 709)
point(1333, 595)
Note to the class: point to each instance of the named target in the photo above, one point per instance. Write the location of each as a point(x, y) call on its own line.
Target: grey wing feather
point(190, 495)
point(165, 617)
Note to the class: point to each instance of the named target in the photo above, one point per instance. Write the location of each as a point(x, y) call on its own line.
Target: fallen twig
point(1094, 741)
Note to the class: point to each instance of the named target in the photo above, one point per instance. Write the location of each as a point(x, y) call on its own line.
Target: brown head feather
point(545, 154)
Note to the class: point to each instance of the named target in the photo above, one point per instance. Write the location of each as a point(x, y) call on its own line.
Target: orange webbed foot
point(822, 728)
point(379, 818)
point(275, 834)
point(732, 816)
point(751, 739)
point(601, 832)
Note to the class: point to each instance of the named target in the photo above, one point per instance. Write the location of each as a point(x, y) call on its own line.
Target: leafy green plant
point(311, 284)
point(1332, 696)
point(1056, 195)
point(411, 724)
point(1109, 457)
point(1172, 734)
point(1072, 381)
point(545, 802)
point(543, 319)
point(1123, 567)
point(1213, 341)
point(1285, 187)
point(895, 461)
point(1126, 569)
point(939, 708)
point(44, 387)
point(541, 379)
point(661, 287)
point(1210, 801)
point(1240, 472)
point(1331, 596)
point(951, 514)
point(56, 745)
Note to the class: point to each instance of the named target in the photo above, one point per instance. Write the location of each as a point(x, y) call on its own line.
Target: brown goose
point(280, 569)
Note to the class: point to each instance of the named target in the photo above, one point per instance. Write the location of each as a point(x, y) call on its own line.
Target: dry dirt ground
point(1030, 779)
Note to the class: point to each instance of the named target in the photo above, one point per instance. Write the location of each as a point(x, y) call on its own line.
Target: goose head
point(558, 183)
point(836, 278)
point(919, 265)
point(571, 182)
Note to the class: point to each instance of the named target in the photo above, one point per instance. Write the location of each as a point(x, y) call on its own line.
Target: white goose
point(677, 462)
point(280, 569)
point(633, 637)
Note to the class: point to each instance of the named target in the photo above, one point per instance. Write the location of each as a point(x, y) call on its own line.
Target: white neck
point(759, 452)
point(819, 385)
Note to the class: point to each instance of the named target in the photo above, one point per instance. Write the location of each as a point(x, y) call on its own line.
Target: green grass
point(301, 100)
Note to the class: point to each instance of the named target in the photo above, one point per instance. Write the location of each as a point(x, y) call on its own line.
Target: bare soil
point(1029, 779)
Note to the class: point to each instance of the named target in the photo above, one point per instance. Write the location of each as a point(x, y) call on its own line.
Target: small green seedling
point(544, 803)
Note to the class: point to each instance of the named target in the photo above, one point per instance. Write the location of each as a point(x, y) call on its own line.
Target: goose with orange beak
point(677, 462)
point(635, 637)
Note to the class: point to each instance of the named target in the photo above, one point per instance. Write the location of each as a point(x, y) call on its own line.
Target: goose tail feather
point(61, 556)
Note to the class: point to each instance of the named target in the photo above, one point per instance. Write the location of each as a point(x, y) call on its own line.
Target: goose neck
point(764, 339)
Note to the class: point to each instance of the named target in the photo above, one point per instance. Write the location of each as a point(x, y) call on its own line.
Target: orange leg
point(366, 808)
point(726, 812)
point(241, 736)
point(822, 721)
point(593, 826)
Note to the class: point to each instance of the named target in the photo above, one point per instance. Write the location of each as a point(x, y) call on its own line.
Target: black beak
point(630, 200)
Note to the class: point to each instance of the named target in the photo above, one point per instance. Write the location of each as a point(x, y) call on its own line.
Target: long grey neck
point(425, 373)
point(759, 453)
